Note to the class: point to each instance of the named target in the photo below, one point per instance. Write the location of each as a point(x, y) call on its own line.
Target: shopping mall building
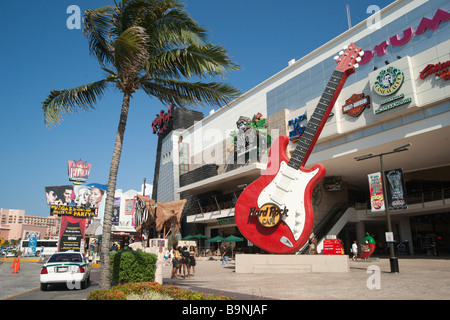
point(399, 95)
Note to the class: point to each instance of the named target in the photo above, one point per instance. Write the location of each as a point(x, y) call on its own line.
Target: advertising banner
point(59, 195)
point(376, 192)
point(71, 233)
point(396, 191)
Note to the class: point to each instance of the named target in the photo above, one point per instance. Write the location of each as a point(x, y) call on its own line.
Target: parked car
point(71, 268)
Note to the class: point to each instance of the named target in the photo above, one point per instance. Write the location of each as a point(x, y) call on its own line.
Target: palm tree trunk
point(109, 205)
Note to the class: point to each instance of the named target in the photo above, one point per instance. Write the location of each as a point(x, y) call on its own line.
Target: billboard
point(59, 195)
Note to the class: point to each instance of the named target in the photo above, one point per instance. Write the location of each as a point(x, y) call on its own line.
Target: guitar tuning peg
point(345, 47)
point(361, 53)
point(358, 59)
point(336, 57)
point(356, 65)
point(341, 53)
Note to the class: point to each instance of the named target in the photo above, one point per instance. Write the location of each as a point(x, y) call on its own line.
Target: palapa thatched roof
point(166, 213)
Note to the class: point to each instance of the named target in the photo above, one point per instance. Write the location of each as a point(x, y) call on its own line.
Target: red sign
point(408, 34)
point(79, 171)
point(440, 70)
point(356, 104)
point(161, 121)
point(332, 246)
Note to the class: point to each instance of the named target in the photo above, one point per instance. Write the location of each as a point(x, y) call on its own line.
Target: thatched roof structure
point(167, 214)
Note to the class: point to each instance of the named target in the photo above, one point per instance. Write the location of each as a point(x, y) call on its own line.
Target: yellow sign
point(72, 211)
point(2, 241)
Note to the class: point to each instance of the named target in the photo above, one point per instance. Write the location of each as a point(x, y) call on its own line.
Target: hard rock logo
point(269, 215)
point(388, 81)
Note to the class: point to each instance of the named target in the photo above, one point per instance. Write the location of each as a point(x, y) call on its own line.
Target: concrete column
point(360, 232)
point(405, 233)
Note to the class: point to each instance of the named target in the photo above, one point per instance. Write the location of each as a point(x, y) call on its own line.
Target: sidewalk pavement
point(418, 279)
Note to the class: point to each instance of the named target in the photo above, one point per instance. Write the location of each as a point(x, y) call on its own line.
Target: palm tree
point(153, 45)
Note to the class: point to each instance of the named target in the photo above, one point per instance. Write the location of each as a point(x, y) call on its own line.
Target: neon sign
point(161, 121)
point(79, 171)
point(408, 34)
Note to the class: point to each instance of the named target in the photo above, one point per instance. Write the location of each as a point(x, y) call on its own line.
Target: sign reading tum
point(408, 34)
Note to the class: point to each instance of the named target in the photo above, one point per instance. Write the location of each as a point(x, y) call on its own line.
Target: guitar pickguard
point(287, 190)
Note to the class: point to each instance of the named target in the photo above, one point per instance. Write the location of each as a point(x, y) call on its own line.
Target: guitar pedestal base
point(304, 263)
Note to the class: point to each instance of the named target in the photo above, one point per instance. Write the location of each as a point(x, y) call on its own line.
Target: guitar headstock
point(348, 59)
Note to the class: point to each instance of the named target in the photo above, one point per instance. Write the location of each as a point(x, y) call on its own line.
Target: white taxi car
point(66, 267)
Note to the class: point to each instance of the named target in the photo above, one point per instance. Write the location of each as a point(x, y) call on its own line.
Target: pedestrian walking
point(224, 256)
point(355, 250)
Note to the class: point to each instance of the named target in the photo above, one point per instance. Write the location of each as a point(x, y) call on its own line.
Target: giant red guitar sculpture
point(275, 212)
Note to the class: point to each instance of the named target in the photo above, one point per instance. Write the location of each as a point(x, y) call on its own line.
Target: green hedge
point(132, 266)
point(120, 292)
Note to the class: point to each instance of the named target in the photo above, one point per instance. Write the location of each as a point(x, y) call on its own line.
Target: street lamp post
point(393, 259)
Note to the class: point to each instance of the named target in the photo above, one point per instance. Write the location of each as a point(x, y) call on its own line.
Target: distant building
point(15, 225)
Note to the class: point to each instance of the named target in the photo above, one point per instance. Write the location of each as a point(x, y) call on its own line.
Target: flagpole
point(349, 20)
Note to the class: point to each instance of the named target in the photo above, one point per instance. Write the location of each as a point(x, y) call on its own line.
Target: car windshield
point(66, 257)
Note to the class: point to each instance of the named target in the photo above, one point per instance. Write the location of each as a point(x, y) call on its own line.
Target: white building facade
point(399, 95)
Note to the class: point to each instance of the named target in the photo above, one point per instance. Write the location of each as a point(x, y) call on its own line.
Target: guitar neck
point(318, 119)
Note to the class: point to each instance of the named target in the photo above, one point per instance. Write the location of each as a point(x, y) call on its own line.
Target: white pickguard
point(288, 190)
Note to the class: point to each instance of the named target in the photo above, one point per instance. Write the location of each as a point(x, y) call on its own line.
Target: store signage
point(440, 70)
point(161, 121)
point(79, 171)
point(298, 129)
point(376, 192)
point(386, 105)
point(269, 215)
point(356, 104)
point(389, 82)
point(408, 34)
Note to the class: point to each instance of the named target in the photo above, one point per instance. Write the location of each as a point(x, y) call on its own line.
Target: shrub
point(132, 266)
point(120, 292)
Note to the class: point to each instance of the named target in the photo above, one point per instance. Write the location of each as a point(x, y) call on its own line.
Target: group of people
point(182, 259)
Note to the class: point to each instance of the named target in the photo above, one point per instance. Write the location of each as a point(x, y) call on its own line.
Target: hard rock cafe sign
point(161, 122)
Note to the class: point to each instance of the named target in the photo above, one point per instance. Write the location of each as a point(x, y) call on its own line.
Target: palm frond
point(193, 61)
point(68, 101)
point(190, 94)
point(97, 29)
point(130, 52)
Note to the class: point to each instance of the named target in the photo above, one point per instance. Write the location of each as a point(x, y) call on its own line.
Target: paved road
point(25, 285)
point(419, 279)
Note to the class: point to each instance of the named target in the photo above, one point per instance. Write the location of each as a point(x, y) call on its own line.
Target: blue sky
point(39, 53)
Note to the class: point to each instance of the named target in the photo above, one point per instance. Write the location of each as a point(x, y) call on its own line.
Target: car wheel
point(43, 286)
